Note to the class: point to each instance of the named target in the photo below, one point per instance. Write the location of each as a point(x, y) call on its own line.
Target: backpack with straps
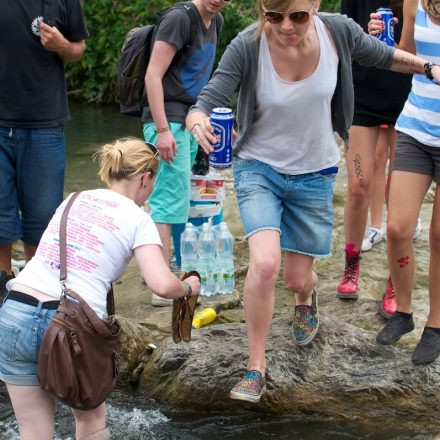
point(134, 58)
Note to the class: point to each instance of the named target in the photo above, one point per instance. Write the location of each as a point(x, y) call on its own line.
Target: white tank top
point(420, 117)
point(292, 130)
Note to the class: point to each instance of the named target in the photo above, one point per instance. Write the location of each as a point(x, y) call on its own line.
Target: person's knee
point(302, 283)
point(264, 270)
point(296, 285)
point(360, 191)
point(398, 231)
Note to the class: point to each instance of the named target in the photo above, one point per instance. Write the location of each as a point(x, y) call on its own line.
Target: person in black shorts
point(379, 98)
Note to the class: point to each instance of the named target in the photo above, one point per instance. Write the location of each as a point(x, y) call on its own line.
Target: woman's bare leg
point(34, 410)
point(407, 191)
point(434, 261)
point(258, 293)
point(89, 422)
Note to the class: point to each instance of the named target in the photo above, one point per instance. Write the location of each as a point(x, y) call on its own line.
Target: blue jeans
point(299, 207)
point(32, 162)
point(21, 330)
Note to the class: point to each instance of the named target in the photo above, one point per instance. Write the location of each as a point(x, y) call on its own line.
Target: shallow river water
point(132, 418)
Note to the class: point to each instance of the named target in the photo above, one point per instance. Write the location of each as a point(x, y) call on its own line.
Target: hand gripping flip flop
point(183, 312)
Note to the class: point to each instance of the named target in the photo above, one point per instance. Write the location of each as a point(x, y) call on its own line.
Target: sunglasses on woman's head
point(153, 148)
point(297, 17)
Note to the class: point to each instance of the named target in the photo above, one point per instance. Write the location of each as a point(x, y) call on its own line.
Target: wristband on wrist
point(161, 130)
point(188, 289)
point(428, 70)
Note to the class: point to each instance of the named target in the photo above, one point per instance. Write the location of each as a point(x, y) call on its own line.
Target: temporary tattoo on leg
point(358, 169)
point(403, 261)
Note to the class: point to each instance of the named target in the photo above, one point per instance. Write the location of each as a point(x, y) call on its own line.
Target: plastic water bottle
point(204, 317)
point(225, 259)
point(207, 260)
point(188, 248)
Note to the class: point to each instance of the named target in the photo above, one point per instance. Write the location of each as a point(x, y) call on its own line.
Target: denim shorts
point(299, 207)
point(169, 201)
point(22, 327)
point(415, 157)
point(31, 181)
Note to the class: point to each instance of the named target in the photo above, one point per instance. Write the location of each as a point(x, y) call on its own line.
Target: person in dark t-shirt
point(173, 81)
point(36, 38)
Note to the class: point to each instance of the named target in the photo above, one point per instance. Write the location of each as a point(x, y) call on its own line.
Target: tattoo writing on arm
point(407, 63)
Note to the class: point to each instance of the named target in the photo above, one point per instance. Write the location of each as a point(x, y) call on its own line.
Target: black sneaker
point(396, 326)
point(428, 347)
point(4, 278)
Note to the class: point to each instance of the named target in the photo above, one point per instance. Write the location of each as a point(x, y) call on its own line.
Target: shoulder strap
point(48, 12)
point(63, 238)
point(63, 254)
point(188, 7)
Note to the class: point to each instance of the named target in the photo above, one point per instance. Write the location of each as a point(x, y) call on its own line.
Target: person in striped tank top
point(416, 165)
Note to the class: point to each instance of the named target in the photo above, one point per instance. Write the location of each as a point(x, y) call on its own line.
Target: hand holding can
point(387, 34)
point(222, 120)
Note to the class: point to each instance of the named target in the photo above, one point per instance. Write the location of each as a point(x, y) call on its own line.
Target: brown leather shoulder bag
point(77, 360)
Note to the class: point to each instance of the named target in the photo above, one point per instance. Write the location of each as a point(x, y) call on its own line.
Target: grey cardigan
point(239, 67)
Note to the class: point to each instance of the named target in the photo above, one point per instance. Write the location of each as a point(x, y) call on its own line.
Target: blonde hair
point(272, 5)
point(432, 7)
point(125, 158)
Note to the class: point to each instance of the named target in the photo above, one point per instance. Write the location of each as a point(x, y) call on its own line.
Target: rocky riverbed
point(343, 375)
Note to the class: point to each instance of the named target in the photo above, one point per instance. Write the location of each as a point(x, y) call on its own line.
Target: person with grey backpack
point(173, 80)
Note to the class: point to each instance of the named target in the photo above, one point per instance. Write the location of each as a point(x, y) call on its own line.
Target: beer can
point(222, 120)
point(387, 35)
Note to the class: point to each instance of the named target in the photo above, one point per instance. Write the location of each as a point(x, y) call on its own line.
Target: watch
point(188, 289)
point(428, 70)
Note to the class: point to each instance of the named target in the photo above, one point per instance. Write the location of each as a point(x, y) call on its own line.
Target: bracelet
point(188, 289)
point(161, 130)
point(428, 70)
point(194, 126)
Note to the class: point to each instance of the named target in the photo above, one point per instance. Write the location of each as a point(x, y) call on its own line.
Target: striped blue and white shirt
point(420, 117)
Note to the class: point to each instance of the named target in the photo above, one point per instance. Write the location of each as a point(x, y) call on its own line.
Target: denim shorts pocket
point(8, 341)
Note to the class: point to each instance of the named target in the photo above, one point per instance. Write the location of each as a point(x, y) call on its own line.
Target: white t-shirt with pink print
point(103, 229)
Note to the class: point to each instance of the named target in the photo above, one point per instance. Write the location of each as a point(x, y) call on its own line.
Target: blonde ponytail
point(125, 158)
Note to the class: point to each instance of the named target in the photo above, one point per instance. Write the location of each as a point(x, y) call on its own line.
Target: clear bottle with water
point(225, 259)
point(189, 248)
point(207, 260)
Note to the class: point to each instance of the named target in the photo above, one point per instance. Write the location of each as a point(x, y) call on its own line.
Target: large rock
point(343, 374)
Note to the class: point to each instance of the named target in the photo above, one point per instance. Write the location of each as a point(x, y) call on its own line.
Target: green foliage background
point(108, 21)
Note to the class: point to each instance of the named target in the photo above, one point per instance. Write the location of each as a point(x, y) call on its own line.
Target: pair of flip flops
point(183, 312)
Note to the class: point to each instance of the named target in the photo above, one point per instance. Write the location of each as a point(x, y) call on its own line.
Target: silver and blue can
point(222, 120)
point(387, 35)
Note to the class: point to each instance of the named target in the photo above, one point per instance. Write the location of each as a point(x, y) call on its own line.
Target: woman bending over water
point(105, 228)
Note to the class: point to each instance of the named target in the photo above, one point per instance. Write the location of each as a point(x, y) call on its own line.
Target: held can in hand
point(387, 35)
point(222, 120)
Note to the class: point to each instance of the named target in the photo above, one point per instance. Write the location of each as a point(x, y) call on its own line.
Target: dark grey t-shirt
point(187, 74)
point(32, 85)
